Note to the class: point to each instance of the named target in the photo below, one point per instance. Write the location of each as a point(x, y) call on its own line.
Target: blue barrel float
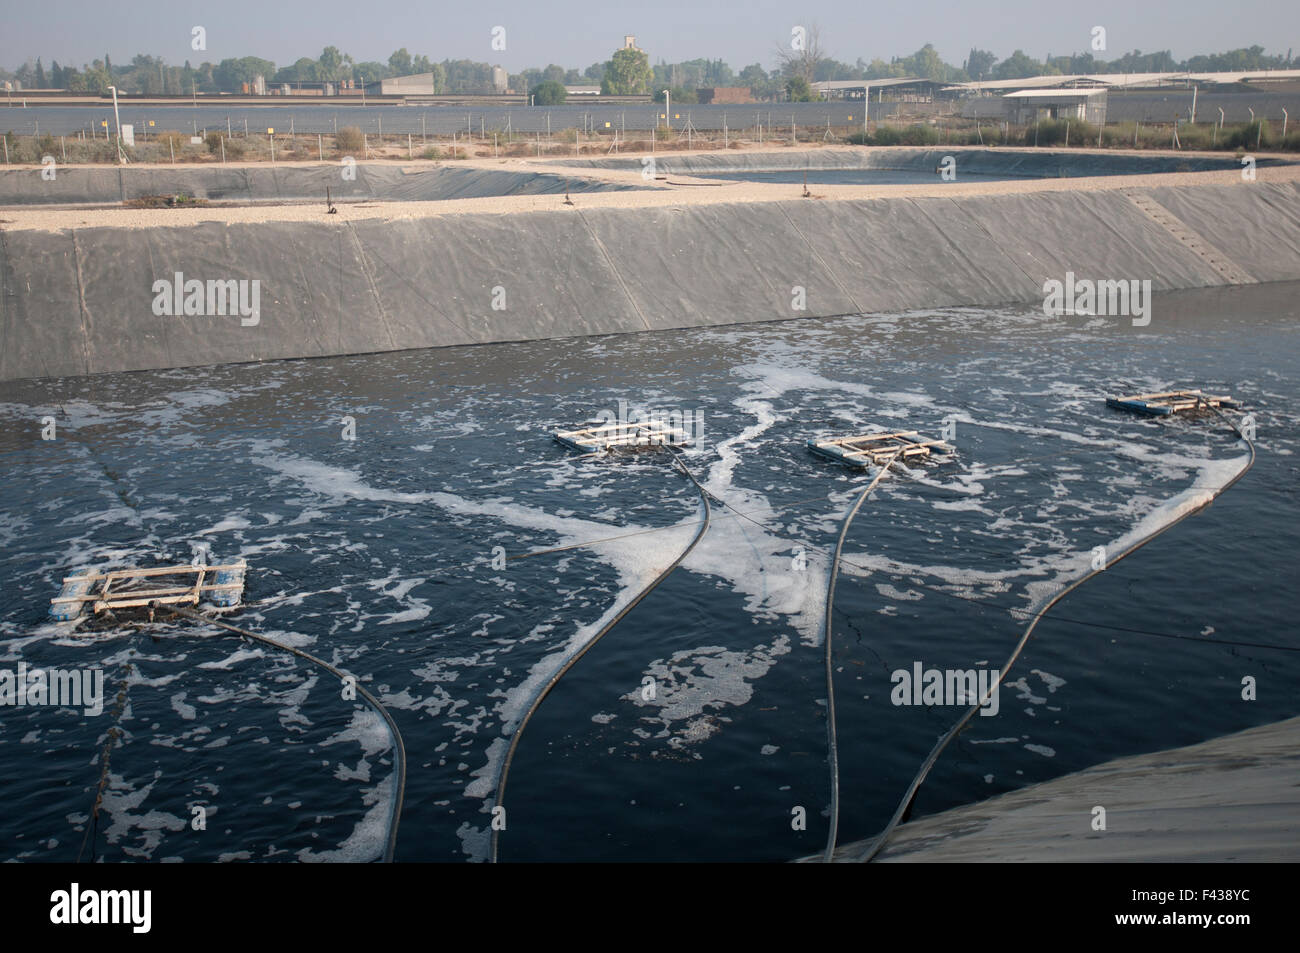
point(77, 584)
point(226, 598)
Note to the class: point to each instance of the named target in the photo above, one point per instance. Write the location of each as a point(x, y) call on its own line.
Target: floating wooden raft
point(595, 438)
point(878, 447)
point(225, 588)
point(1170, 402)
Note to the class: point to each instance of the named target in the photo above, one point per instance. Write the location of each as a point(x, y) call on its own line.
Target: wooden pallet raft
point(595, 438)
point(1171, 402)
point(159, 585)
point(876, 448)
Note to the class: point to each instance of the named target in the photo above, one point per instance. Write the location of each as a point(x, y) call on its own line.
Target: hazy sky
point(576, 33)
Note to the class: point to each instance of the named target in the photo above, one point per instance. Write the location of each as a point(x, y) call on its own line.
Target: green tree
point(1017, 66)
point(229, 74)
point(797, 90)
point(927, 64)
point(333, 65)
point(549, 93)
point(400, 62)
point(627, 73)
point(372, 72)
point(980, 63)
point(303, 71)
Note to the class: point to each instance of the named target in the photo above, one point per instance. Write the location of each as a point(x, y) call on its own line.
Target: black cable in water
point(833, 756)
point(555, 678)
point(399, 749)
point(906, 802)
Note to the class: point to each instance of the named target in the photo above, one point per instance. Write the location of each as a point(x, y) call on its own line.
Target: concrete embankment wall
point(113, 185)
point(1030, 163)
point(80, 301)
point(1228, 799)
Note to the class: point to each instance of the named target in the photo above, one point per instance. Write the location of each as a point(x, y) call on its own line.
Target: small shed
point(1027, 106)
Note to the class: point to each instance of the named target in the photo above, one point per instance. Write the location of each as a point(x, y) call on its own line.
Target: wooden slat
point(153, 571)
point(141, 593)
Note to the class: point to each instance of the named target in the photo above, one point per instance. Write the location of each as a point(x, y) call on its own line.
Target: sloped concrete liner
point(1016, 162)
point(80, 301)
point(111, 186)
point(1228, 799)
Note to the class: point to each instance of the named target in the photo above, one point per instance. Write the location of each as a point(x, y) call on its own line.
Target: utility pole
point(668, 108)
point(117, 118)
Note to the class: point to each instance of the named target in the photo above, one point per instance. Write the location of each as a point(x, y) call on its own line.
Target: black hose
point(555, 678)
point(833, 756)
point(879, 843)
point(399, 749)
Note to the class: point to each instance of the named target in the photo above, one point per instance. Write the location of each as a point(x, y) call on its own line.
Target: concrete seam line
point(81, 304)
point(162, 324)
point(1005, 254)
point(470, 337)
point(816, 254)
point(958, 251)
point(614, 268)
point(370, 282)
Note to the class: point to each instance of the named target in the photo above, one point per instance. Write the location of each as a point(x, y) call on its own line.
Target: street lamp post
point(117, 118)
point(668, 108)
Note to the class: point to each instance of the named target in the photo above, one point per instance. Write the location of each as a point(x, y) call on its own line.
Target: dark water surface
point(378, 555)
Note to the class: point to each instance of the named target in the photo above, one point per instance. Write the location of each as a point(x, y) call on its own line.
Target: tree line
point(627, 71)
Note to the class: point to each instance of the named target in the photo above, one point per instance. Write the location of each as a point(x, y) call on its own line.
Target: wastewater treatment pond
point(409, 518)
